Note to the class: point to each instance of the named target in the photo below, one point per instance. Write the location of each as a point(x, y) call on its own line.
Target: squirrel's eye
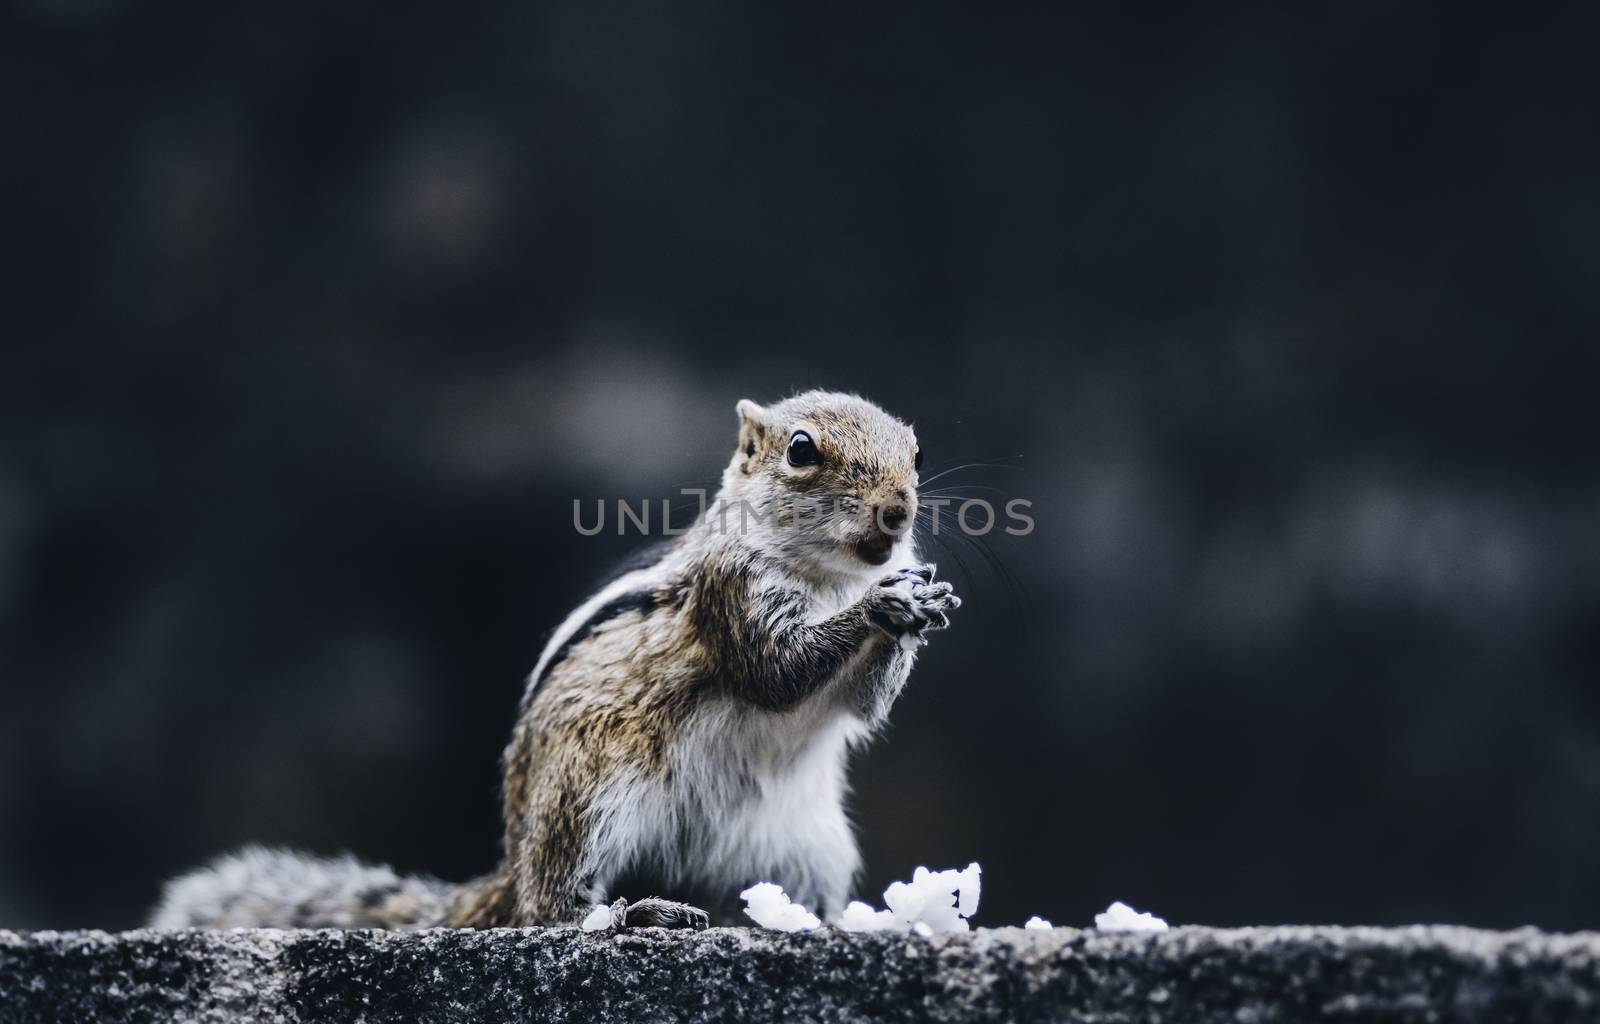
point(803, 450)
point(916, 459)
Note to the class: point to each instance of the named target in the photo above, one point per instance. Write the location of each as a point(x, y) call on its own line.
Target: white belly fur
point(752, 796)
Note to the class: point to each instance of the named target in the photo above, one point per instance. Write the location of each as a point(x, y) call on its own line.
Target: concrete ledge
point(1188, 975)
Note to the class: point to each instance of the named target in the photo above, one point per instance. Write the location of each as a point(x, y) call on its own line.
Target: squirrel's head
point(828, 478)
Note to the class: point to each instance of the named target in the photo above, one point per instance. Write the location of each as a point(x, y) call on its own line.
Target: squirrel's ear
point(752, 426)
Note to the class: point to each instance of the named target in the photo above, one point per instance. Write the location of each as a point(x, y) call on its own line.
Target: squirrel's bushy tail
point(261, 888)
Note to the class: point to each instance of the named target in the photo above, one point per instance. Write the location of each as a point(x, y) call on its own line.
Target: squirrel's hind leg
point(655, 912)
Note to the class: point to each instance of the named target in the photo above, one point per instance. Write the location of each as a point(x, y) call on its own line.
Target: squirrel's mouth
point(875, 550)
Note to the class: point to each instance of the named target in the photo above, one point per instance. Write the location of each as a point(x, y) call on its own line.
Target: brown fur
point(615, 703)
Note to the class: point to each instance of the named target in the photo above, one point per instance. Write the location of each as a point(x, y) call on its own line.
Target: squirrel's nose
point(893, 517)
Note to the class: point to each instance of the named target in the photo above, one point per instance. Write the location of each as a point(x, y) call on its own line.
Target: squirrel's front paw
point(936, 601)
point(908, 603)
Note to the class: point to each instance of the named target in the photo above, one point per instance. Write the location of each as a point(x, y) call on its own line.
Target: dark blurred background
point(317, 317)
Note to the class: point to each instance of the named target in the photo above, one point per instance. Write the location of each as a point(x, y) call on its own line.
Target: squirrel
point(686, 729)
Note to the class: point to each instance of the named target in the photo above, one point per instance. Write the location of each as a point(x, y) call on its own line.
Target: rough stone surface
point(1187, 975)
